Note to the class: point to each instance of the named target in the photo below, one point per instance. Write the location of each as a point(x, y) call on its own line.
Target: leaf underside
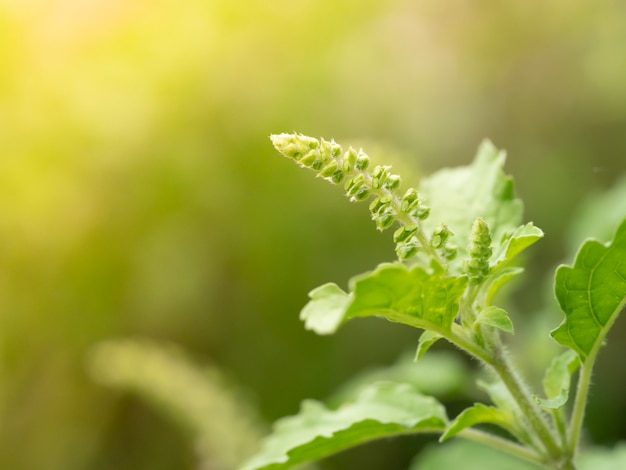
point(592, 293)
point(381, 410)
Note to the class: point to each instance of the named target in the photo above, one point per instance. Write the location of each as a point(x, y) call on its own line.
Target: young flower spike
point(351, 167)
point(479, 250)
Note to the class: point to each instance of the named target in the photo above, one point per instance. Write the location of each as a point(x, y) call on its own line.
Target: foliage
point(139, 196)
point(456, 239)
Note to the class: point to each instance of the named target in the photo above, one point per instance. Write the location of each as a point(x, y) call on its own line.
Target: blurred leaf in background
point(139, 193)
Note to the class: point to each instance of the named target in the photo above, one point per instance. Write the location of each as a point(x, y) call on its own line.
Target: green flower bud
point(404, 232)
point(335, 149)
point(407, 250)
point(329, 169)
point(313, 143)
point(337, 176)
point(349, 160)
point(378, 203)
point(379, 174)
point(440, 236)
point(326, 151)
point(420, 212)
point(310, 158)
point(362, 161)
point(413, 205)
point(449, 252)
point(317, 165)
point(384, 218)
point(361, 194)
point(409, 198)
point(392, 182)
point(357, 181)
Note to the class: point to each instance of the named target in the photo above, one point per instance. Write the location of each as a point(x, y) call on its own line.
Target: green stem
point(406, 219)
point(468, 346)
point(558, 417)
point(505, 445)
point(532, 412)
point(578, 412)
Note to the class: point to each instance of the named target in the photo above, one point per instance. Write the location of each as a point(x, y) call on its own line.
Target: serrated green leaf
point(413, 296)
point(381, 410)
point(496, 317)
point(479, 413)
point(591, 293)
point(326, 309)
point(427, 339)
point(556, 383)
point(457, 196)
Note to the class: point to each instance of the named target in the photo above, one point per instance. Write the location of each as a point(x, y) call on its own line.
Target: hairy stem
point(532, 412)
point(505, 445)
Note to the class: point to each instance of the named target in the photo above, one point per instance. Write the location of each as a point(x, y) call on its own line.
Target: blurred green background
point(140, 195)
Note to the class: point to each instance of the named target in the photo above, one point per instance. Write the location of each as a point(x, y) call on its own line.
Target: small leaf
point(591, 293)
point(556, 383)
point(554, 403)
point(382, 410)
point(427, 339)
point(496, 317)
point(326, 309)
point(479, 413)
point(521, 239)
point(413, 296)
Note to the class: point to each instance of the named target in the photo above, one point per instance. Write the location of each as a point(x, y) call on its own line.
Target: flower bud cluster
point(479, 250)
point(440, 241)
point(352, 168)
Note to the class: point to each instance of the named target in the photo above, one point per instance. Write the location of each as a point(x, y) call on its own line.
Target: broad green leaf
point(440, 373)
point(413, 296)
point(457, 196)
point(479, 413)
point(467, 455)
point(556, 383)
point(496, 317)
point(326, 309)
point(591, 293)
point(382, 410)
point(427, 339)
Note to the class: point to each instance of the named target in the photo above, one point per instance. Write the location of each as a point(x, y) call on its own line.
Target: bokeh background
point(140, 196)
